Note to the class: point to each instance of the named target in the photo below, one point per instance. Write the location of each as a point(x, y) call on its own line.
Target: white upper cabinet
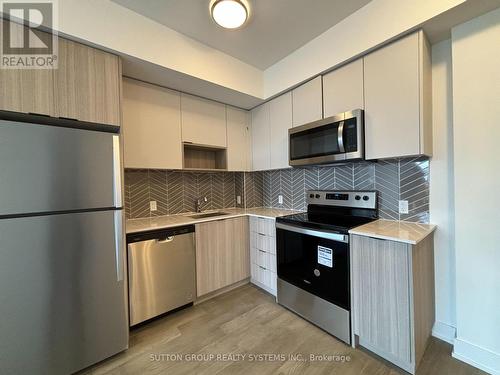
point(307, 102)
point(280, 120)
point(343, 89)
point(238, 140)
point(261, 146)
point(151, 126)
point(397, 87)
point(203, 121)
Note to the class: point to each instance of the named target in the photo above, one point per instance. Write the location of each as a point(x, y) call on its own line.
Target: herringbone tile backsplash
point(396, 179)
point(175, 191)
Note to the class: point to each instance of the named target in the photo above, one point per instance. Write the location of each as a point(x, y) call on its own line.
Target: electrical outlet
point(403, 207)
point(280, 199)
point(238, 199)
point(152, 206)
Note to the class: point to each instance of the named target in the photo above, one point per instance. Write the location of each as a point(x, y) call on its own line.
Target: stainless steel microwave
point(330, 140)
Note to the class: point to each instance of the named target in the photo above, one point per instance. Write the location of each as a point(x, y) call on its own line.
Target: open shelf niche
point(202, 157)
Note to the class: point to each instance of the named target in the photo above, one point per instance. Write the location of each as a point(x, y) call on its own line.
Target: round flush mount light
point(229, 14)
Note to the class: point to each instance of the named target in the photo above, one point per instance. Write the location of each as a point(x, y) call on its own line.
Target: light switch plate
point(152, 206)
point(280, 199)
point(238, 199)
point(403, 207)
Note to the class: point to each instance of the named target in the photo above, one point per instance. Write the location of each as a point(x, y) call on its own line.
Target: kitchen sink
point(208, 214)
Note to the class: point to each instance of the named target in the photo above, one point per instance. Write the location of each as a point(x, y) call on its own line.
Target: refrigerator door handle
point(119, 243)
point(117, 172)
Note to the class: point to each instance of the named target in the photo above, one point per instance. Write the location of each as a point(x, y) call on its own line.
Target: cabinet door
point(308, 102)
point(392, 92)
point(261, 146)
point(238, 140)
point(381, 297)
point(210, 257)
point(343, 89)
point(237, 244)
point(151, 126)
point(203, 121)
point(87, 84)
point(222, 254)
point(26, 90)
point(280, 120)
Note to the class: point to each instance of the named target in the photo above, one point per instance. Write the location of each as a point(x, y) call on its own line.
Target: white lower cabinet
point(263, 253)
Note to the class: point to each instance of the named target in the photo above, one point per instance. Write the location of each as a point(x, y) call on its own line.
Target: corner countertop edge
point(393, 230)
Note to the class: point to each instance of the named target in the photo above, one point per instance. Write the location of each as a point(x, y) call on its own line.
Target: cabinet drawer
point(263, 242)
point(263, 226)
point(264, 259)
point(264, 276)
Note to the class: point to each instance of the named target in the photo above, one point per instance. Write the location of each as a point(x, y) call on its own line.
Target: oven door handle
point(315, 233)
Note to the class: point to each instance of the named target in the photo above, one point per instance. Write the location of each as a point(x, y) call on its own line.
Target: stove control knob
point(357, 197)
point(311, 195)
point(318, 196)
point(366, 197)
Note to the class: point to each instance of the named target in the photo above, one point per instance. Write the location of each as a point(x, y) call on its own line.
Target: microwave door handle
point(340, 137)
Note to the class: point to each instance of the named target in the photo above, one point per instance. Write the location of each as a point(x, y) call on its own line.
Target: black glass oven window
point(315, 142)
point(303, 261)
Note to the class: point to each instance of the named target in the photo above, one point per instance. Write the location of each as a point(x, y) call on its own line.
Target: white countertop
point(400, 231)
point(169, 221)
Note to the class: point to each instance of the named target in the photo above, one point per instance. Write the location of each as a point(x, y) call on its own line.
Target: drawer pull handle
point(261, 234)
point(264, 268)
point(262, 251)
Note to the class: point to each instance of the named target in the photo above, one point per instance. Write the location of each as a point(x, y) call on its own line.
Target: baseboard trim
point(477, 356)
point(444, 332)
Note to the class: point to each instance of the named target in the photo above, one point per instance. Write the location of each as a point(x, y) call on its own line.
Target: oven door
point(316, 261)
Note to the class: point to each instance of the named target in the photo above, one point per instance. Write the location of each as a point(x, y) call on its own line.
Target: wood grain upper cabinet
point(222, 254)
point(87, 84)
point(308, 102)
point(261, 133)
point(26, 90)
point(343, 89)
point(239, 142)
point(280, 120)
point(203, 121)
point(151, 126)
point(397, 86)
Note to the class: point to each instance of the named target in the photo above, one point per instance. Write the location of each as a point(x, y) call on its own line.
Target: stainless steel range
point(313, 255)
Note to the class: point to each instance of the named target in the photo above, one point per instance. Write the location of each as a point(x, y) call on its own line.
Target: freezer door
point(62, 292)
point(49, 168)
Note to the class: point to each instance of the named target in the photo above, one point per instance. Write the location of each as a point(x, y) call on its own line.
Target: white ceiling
point(276, 28)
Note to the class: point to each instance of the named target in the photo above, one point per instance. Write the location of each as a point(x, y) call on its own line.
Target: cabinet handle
point(262, 251)
point(263, 268)
point(38, 114)
point(261, 234)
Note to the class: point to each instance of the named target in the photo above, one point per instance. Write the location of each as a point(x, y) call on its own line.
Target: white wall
point(370, 26)
point(442, 191)
point(476, 113)
point(109, 25)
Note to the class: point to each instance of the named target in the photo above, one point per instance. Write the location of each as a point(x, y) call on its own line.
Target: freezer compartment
point(51, 169)
point(62, 292)
point(161, 272)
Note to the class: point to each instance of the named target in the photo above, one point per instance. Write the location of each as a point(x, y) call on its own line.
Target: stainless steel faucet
point(198, 202)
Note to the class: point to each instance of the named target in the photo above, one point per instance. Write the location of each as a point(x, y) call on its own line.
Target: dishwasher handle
point(165, 240)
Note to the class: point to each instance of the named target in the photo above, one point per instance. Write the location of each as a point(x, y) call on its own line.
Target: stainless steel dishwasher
point(161, 270)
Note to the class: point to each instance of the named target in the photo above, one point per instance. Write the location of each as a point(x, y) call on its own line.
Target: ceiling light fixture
point(229, 14)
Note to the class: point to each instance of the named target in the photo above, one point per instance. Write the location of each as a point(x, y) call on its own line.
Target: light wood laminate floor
point(247, 321)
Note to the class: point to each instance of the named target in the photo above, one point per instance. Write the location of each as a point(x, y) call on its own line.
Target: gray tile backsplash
point(396, 179)
point(176, 191)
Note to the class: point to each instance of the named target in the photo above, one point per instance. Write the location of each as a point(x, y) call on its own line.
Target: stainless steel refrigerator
point(62, 266)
